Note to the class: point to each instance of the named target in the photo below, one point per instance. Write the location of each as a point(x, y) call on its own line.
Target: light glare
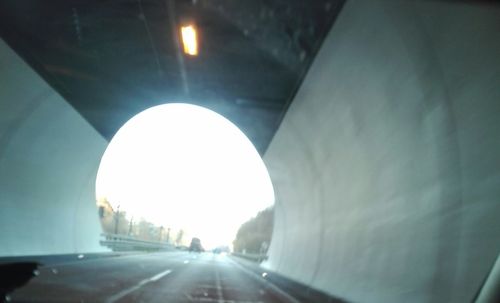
point(185, 167)
point(189, 40)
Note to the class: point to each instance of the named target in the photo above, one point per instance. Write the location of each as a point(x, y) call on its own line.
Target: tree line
point(116, 221)
point(254, 235)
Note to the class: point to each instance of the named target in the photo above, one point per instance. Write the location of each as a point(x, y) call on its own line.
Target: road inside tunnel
point(155, 277)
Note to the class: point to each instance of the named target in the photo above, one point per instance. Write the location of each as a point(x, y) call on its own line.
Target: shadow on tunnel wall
point(48, 161)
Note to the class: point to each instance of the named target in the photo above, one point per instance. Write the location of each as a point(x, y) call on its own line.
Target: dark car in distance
point(196, 245)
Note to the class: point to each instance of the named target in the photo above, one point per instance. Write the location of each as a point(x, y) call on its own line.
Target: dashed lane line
point(127, 291)
point(218, 286)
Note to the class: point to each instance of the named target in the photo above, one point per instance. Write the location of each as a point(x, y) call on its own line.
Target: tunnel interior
point(378, 123)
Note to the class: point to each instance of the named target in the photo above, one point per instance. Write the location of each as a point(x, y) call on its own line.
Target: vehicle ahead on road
point(221, 249)
point(196, 245)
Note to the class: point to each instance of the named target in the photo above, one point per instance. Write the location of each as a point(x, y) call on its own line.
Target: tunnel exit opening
point(178, 171)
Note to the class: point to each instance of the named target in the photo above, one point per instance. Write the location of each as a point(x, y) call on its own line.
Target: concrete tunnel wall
point(49, 157)
point(386, 167)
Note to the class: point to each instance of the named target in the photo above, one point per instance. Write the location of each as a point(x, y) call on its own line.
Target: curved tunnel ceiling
point(112, 59)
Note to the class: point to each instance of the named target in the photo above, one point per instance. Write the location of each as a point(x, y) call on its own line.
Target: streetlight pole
point(161, 232)
point(168, 235)
point(130, 226)
point(117, 219)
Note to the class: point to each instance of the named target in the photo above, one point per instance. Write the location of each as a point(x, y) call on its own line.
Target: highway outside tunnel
point(178, 171)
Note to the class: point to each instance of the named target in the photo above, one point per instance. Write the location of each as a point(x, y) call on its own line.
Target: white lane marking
point(159, 276)
point(220, 297)
point(127, 291)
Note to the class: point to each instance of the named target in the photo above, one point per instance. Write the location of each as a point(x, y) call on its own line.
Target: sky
point(185, 167)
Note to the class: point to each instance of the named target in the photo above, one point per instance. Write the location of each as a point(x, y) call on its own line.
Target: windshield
point(249, 151)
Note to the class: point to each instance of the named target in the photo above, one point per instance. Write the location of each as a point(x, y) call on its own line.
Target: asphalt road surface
point(155, 277)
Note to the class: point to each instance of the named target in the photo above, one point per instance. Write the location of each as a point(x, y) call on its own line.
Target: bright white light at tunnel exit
point(184, 166)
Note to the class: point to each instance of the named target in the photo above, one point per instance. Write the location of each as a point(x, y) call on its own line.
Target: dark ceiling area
point(112, 59)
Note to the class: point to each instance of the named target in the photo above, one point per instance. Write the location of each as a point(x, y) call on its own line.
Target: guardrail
point(251, 257)
point(127, 243)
